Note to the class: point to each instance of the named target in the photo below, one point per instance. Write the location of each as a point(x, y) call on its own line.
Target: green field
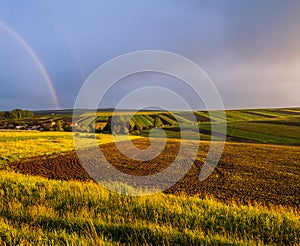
point(275, 126)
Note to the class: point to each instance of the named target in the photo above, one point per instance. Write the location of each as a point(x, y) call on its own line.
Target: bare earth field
point(246, 173)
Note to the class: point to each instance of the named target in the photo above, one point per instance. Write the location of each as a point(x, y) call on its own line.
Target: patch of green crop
point(278, 130)
point(142, 120)
point(261, 137)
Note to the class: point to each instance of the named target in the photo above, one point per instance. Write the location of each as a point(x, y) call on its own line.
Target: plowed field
point(267, 174)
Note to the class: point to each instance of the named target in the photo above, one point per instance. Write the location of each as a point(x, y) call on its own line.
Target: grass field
point(37, 211)
point(16, 145)
point(40, 211)
point(260, 133)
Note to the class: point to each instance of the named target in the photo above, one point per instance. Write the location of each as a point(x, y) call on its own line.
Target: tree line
point(121, 125)
point(16, 114)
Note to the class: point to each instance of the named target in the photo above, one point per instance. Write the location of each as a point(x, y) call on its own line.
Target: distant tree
point(20, 114)
point(16, 114)
point(6, 115)
point(124, 127)
point(28, 114)
point(116, 128)
point(67, 127)
point(117, 125)
point(98, 130)
point(58, 126)
point(131, 127)
point(107, 127)
point(16, 122)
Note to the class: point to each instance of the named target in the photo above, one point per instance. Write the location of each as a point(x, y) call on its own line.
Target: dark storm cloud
point(249, 48)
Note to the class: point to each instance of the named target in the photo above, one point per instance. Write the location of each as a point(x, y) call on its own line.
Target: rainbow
point(36, 59)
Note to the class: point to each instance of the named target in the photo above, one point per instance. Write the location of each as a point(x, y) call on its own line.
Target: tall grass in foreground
point(38, 211)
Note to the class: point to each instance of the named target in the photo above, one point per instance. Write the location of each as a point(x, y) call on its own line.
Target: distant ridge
point(83, 110)
point(70, 111)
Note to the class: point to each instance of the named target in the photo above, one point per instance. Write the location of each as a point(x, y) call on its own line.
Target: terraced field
point(276, 126)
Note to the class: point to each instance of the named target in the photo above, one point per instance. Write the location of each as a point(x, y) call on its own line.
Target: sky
point(249, 49)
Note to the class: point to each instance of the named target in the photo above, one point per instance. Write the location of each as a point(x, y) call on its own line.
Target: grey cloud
point(245, 46)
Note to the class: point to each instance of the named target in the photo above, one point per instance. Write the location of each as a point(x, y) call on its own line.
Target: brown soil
point(265, 174)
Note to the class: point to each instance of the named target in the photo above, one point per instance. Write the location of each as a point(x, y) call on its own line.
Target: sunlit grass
point(16, 145)
point(39, 211)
